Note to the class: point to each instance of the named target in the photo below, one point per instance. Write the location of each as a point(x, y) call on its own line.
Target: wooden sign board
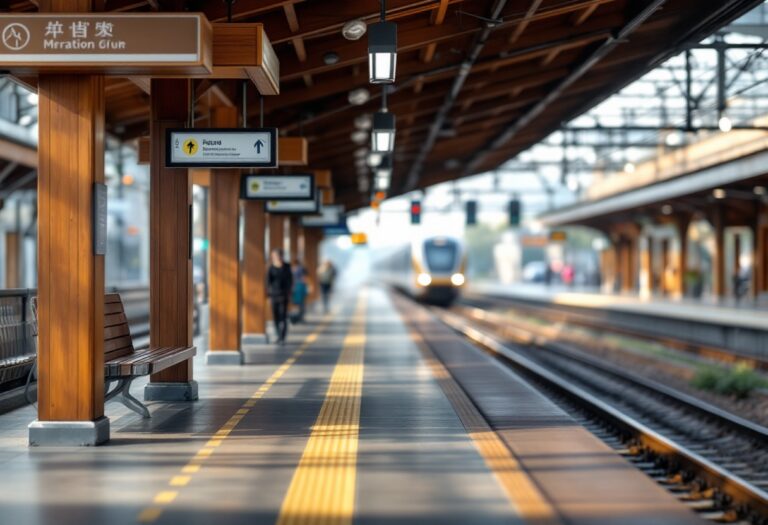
point(323, 178)
point(293, 151)
point(221, 148)
point(239, 48)
point(328, 196)
point(106, 43)
point(277, 187)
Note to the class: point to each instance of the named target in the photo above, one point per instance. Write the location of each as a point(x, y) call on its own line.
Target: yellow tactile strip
point(322, 490)
point(526, 498)
point(184, 476)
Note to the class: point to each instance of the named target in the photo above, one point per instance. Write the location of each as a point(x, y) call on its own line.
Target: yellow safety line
point(323, 487)
point(181, 479)
point(521, 491)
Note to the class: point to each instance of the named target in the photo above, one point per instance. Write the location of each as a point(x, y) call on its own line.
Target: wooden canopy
point(477, 81)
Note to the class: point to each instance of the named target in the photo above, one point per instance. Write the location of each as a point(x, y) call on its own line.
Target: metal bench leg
point(123, 389)
point(131, 402)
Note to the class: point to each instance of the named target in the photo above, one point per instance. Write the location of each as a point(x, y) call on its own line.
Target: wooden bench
point(123, 363)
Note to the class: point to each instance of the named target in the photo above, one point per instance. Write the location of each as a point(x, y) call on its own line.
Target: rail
point(685, 464)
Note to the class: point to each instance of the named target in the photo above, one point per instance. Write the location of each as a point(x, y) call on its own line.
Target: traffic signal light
point(471, 211)
point(415, 212)
point(514, 213)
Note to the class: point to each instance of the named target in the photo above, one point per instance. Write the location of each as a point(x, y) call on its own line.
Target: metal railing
point(18, 348)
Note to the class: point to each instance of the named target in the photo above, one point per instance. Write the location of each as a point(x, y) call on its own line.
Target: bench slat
point(150, 361)
point(113, 308)
point(116, 331)
point(114, 320)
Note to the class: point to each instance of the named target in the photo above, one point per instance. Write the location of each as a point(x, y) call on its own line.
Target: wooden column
point(681, 226)
point(224, 213)
point(761, 250)
point(312, 238)
point(293, 236)
point(12, 260)
point(254, 267)
point(70, 277)
point(646, 265)
point(276, 241)
point(276, 232)
point(170, 253)
point(718, 263)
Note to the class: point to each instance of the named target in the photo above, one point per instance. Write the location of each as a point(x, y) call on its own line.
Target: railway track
point(713, 461)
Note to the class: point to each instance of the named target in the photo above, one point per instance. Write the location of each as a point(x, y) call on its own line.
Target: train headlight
point(424, 279)
point(457, 279)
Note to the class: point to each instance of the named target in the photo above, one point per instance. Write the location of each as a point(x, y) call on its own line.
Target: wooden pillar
point(718, 263)
point(761, 250)
point(170, 252)
point(12, 260)
point(276, 232)
point(681, 226)
point(254, 268)
point(646, 265)
point(70, 301)
point(224, 213)
point(293, 236)
point(312, 238)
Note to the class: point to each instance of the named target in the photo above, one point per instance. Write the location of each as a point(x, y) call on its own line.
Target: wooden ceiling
point(478, 81)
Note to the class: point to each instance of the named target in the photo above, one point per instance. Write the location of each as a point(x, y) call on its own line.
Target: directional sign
point(221, 148)
point(278, 187)
point(329, 216)
point(305, 207)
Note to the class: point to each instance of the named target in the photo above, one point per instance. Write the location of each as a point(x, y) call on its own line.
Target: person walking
point(279, 286)
point(299, 293)
point(326, 275)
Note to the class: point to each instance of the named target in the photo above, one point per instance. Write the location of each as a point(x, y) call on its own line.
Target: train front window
point(441, 256)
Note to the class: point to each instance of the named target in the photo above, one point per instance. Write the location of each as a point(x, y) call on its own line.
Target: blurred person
point(300, 291)
point(279, 286)
point(326, 276)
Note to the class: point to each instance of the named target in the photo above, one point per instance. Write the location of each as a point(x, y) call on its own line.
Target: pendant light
point(382, 50)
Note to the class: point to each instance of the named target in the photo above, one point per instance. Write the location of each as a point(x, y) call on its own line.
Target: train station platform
point(741, 327)
point(351, 421)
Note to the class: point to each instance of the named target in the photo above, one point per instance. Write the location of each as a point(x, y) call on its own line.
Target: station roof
point(478, 81)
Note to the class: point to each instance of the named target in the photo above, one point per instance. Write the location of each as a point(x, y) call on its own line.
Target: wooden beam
point(523, 24)
point(582, 17)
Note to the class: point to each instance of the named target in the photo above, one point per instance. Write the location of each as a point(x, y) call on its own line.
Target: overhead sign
point(221, 148)
point(558, 236)
point(294, 207)
point(278, 187)
point(329, 216)
point(106, 43)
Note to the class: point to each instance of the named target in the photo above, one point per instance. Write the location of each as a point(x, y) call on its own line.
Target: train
point(431, 269)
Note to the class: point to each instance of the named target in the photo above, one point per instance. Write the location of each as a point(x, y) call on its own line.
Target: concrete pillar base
point(69, 433)
point(171, 391)
point(224, 357)
point(255, 339)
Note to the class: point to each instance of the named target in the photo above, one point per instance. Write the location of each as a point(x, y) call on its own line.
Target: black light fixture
point(384, 169)
point(382, 50)
point(383, 133)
